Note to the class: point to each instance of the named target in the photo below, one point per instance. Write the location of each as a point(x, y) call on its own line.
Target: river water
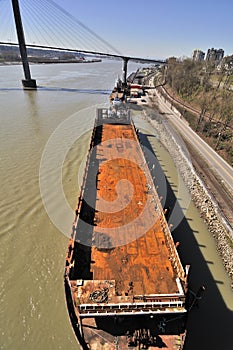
point(36, 128)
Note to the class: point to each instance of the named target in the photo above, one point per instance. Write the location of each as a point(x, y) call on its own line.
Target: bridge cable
point(44, 21)
point(83, 26)
point(7, 23)
point(58, 24)
point(63, 29)
point(70, 27)
point(45, 34)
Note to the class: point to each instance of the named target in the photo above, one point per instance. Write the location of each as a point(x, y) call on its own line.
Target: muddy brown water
point(33, 239)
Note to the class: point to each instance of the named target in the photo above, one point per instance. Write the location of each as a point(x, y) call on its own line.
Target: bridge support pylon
point(124, 71)
point(28, 82)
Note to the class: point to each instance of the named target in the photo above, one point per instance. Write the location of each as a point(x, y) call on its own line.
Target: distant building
point(198, 55)
point(215, 55)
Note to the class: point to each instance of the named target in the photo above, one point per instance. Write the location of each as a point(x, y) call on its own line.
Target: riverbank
point(201, 194)
point(216, 133)
point(44, 61)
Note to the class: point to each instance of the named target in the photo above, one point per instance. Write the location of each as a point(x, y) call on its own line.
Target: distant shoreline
point(16, 63)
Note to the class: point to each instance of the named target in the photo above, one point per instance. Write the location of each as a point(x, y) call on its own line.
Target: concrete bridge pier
point(124, 71)
point(28, 82)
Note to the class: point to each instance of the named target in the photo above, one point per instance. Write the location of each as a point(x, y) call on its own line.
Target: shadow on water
point(45, 88)
point(210, 323)
point(33, 104)
point(84, 91)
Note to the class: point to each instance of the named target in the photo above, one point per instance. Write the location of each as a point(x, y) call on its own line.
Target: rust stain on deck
point(129, 241)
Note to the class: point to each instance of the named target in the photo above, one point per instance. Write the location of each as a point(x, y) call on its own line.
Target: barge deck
point(122, 268)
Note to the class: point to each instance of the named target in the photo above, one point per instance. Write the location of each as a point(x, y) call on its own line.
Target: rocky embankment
point(200, 195)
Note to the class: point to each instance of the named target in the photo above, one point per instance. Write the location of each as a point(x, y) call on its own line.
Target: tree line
point(208, 88)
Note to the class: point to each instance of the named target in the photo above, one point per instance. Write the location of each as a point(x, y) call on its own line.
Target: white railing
point(91, 310)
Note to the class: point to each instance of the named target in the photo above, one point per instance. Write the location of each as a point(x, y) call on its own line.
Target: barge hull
point(125, 283)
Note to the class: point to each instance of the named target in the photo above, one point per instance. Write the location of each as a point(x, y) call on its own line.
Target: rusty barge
point(125, 285)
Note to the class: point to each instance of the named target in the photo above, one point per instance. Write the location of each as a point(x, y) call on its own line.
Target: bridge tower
point(28, 82)
point(124, 71)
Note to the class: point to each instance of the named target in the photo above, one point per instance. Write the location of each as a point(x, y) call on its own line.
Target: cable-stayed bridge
point(44, 24)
